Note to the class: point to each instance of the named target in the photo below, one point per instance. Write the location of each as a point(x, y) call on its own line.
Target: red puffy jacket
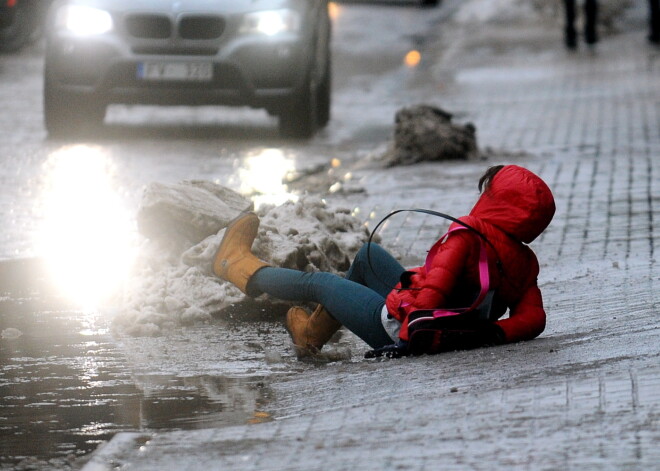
point(513, 210)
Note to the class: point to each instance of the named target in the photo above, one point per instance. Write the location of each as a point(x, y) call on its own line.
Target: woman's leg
point(591, 20)
point(570, 35)
point(375, 268)
point(654, 21)
point(356, 306)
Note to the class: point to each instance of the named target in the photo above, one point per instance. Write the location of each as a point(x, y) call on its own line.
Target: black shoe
point(570, 39)
point(590, 36)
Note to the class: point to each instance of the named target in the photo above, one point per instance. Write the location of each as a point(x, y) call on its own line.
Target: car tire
point(300, 118)
point(68, 114)
point(324, 96)
point(310, 108)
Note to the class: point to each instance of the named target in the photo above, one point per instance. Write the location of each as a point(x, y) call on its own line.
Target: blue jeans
point(356, 301)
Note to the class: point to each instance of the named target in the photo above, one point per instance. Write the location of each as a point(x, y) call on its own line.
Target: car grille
point(201, 27)
point(195, 27)
point(149, 26)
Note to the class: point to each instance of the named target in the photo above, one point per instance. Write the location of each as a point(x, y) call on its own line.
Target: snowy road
point(583, 396)
point(66, 383)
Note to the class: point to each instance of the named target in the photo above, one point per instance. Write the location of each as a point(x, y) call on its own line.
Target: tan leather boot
point(310, 332)
point(234, 261)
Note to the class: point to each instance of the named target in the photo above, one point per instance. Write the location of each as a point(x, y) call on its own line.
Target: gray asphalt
point(585, 394)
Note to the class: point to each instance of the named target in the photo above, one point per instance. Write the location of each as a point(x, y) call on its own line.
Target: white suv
point(271, 54)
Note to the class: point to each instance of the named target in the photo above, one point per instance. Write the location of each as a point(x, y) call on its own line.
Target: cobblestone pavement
point(586, 394)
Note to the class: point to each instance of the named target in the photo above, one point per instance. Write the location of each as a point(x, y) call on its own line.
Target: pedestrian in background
point(377, 297)
point(590, 20)
point(654, 21)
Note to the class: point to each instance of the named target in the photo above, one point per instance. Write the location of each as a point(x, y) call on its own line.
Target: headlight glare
point(84, 21)
point(271, 22)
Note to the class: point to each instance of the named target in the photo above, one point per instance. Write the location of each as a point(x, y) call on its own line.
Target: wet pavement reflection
point(66, 387)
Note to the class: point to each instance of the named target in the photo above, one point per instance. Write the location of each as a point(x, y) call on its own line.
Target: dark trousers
point(654, 21)
point(590, 20)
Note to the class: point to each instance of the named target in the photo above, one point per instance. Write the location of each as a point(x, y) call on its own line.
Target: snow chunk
point(172, 283)
point(188, 211)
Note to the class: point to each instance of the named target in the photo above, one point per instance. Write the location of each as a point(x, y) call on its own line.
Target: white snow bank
point(168, 289)
point(508, 11)
point(484, 11)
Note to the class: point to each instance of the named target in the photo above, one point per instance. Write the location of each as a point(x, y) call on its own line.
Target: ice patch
point(11, 333)
point(496, 74)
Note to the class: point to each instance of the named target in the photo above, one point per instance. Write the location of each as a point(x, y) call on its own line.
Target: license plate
point(181, 71)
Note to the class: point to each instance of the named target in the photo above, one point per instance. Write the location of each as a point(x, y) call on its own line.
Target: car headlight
point(84, 21)
point(271, 22)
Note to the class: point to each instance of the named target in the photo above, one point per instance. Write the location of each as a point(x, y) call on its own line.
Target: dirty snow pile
point(427, 133)
point(172, 283)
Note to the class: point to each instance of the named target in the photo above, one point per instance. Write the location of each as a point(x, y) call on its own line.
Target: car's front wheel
point(68, 114)
point(324, 93)
point(300, 118)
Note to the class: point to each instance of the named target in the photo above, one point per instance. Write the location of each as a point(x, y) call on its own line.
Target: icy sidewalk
point(586, 394)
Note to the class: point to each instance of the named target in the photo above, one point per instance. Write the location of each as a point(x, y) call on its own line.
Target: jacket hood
point(518, 202)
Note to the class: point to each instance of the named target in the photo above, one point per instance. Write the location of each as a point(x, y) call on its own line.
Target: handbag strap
point(483, 264)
